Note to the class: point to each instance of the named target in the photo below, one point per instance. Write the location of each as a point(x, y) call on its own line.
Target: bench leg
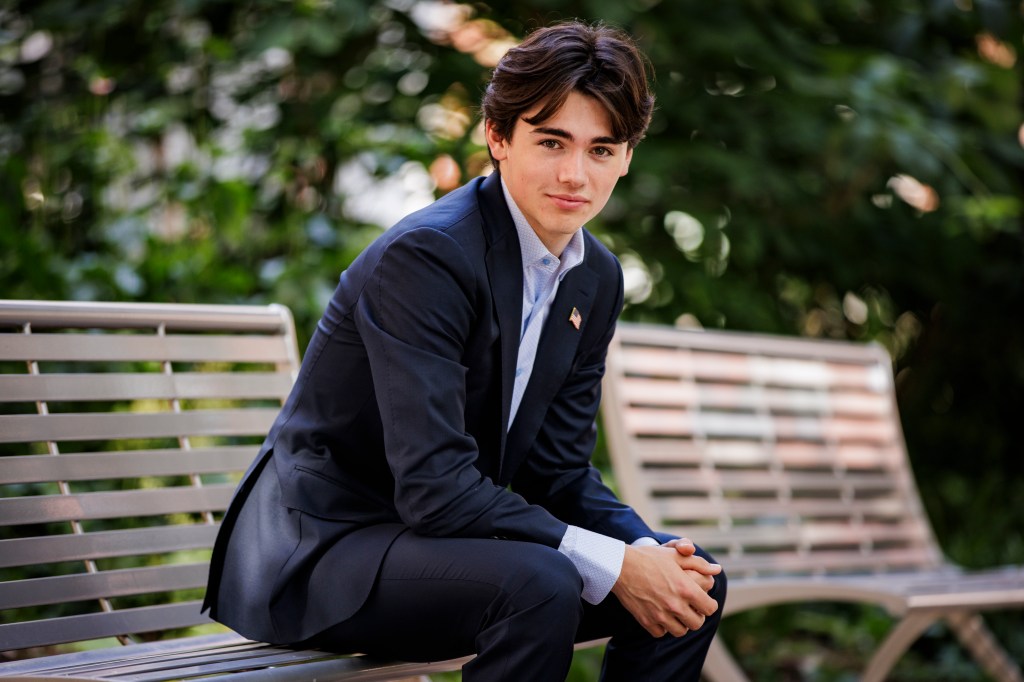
point(896, 644)
point(720, 666)
point(972, 632)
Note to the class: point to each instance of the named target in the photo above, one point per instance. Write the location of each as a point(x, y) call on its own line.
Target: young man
point(426, 491)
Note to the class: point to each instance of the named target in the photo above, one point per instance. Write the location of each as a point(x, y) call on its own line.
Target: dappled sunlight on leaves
point(917, 194)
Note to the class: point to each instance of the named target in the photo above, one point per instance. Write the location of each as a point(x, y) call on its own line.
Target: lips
point(568, 201)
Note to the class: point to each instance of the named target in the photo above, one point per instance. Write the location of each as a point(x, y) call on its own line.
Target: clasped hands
point(666, 587)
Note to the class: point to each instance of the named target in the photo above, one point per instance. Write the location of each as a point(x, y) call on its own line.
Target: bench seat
point(198, 657)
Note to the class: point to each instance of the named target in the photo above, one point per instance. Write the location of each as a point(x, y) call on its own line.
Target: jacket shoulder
point(456, 208)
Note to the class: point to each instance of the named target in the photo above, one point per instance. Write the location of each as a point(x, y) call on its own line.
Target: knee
point(546, 582)
point(548, 575)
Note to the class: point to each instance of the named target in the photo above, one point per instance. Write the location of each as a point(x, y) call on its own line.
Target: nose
point(571, 170)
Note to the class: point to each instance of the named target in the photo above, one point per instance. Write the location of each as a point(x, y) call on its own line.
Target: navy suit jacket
point(398, 421)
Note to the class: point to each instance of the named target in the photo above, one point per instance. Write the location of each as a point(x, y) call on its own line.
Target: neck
point(555, 246)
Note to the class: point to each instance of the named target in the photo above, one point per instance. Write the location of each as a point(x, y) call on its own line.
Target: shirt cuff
point(645, 541)
point(597, 557)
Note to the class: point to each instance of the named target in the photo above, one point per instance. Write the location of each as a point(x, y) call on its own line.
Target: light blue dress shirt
point(597, 557)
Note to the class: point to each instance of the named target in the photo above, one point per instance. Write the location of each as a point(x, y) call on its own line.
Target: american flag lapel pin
point(575, 318)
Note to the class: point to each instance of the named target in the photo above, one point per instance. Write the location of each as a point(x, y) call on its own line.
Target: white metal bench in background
point(784, 457)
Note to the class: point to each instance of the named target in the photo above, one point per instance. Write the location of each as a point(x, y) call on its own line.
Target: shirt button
point(519, 371)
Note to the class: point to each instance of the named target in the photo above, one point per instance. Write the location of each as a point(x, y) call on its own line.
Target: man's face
point(561, 172)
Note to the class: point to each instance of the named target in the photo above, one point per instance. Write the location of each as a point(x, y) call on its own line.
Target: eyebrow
point(566, 135)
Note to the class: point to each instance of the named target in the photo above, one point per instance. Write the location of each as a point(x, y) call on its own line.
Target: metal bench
point(785, 458)
point(123, 430)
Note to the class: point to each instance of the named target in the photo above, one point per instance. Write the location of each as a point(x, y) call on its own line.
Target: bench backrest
point(123, 429)
point(779, 455)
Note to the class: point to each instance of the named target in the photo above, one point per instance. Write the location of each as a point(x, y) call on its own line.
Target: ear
point(625, 165)
point(495, 142)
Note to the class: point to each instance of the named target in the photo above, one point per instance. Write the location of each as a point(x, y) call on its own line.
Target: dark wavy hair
point(594, 60)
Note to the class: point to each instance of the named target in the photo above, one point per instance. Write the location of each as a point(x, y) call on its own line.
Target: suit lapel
point(505, 271)
point(555, 352)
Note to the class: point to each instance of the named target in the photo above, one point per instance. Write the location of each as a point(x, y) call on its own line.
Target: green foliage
point(849, 169)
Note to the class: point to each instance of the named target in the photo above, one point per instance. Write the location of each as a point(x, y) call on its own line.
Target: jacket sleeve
point(414, 316)
point(557, 473)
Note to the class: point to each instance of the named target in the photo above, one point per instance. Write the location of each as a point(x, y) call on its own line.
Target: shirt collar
point(534, 253)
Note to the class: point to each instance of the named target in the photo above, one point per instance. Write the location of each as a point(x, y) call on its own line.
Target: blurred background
point(838, 168)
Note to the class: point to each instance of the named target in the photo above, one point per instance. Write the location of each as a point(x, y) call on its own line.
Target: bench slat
point(814, 534)
point(273, 318)
point(109, 505)
point(16, 594)
point(250, 660)
point(817, 562)
point(100, 625)
point(649, 422)
point(355, 669)
point(218, 663)
point(676, 340)
point(687, 451)
point(745, 508)
point(142, 348)
point(138, 385)
point(92, 466)
point(690, 481)
point(748, 368)
point(679, 394)
point(105, 544)
point(146, 658)
point(80, 662)
point(25, 428)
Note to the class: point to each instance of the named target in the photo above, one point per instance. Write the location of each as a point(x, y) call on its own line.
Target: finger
point(706, 582)
point(699, 564)
point(675, 626)
point(682, 545)
point(656, 630)
point(704, 604)
point(680, 631)
point(698, 600)
point(675, 541)
point(691, 620)
point(682, 618)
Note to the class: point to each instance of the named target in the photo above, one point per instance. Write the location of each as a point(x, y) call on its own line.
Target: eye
point(602, 151)
point(550, 144)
